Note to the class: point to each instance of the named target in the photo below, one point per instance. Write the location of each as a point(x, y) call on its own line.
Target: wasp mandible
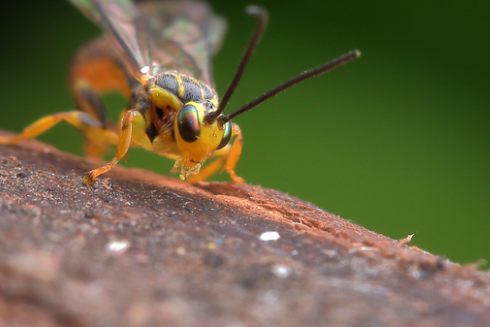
point(157, 54)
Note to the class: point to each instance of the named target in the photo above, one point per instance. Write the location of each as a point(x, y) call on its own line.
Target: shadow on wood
point(139, 249)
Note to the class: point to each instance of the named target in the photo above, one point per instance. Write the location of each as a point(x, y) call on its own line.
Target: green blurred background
point(397, 141)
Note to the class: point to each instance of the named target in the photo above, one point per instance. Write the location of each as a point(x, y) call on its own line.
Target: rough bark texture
point(140, 249)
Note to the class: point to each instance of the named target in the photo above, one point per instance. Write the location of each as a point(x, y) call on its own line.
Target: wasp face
point(196, 138)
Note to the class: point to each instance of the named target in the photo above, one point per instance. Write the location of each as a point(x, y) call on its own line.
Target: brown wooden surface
point(140, 249)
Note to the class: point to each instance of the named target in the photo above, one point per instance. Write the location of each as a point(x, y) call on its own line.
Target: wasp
point(157, 54)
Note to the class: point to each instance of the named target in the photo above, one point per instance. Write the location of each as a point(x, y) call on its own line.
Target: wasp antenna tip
point(255, 10)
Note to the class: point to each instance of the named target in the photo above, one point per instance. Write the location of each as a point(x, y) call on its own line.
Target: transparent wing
point(160, 35)
point(184, 36)
point(116, 18)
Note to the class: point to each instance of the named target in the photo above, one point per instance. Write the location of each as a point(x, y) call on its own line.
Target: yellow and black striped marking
point(185, 88)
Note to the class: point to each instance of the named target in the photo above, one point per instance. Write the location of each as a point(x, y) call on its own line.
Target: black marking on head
point(152, 132)
point(192, 90)
point(159, 113)
point(168, 82)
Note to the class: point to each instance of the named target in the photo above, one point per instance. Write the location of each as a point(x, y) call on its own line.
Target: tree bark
point(140, 249)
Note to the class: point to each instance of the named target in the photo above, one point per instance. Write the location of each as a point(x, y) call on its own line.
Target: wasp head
point(197, 138)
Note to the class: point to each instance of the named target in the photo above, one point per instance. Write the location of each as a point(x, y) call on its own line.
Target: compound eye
point(188, 123)
point(226, 136)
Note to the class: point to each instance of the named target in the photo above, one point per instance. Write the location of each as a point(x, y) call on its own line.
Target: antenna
point(293, 81)
point(262, 18)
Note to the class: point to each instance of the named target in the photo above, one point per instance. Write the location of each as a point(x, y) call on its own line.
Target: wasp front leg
point(132, 131)
point(227, 159)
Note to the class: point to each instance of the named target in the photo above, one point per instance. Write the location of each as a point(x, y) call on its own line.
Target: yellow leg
point(132, 131)
point(228, 155)
point(87, 125)
point(234, 155)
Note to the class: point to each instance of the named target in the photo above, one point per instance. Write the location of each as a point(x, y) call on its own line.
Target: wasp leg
point(234, 155)
point(89, 101)
point(229, 155)
point(86, 124)
point(132, 133)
